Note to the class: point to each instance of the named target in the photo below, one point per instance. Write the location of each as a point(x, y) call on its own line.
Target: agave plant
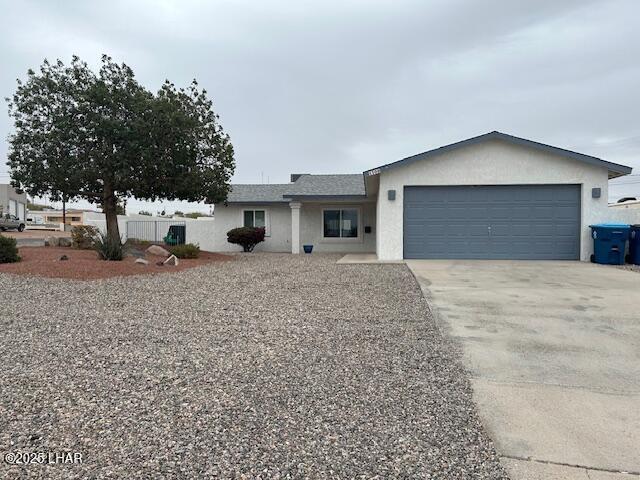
point(108, 248)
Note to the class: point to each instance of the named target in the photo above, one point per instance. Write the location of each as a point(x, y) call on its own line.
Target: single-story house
point(73, 217)
point(494, 196)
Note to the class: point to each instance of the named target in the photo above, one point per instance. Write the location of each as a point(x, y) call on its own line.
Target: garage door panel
point(499, 212)
point(565, 212)
point(526, 222)
point(521, 230)
point(477, 230)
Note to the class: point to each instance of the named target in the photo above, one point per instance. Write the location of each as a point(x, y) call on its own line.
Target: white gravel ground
point(270, 366)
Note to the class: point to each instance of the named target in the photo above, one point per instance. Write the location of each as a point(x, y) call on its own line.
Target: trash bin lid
point(611, 225)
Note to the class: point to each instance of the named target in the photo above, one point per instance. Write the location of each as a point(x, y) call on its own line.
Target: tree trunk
point(110, 209)
point(64, 211)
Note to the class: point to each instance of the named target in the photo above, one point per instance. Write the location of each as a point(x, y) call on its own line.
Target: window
point(341, 223)
point(255, 218)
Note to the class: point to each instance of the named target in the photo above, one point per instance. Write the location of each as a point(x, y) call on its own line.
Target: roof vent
point(296, 176)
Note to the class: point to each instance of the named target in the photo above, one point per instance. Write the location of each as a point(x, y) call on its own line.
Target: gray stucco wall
point(228, 217)
point(311, 228)
point(279, 228)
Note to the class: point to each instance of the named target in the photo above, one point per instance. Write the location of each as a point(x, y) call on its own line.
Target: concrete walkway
point(364, 258)
point(554, 353)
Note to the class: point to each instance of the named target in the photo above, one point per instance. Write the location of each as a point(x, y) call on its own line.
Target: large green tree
point(103, 137)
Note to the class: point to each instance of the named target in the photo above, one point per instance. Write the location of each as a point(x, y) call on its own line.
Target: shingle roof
point(615, 170)
point(257, 193)
point(327, 185)
point(305, 186)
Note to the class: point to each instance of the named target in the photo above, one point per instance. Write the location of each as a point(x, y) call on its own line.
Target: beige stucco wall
point(490, 163)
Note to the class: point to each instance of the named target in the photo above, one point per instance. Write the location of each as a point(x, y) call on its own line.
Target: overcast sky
point(342, 86)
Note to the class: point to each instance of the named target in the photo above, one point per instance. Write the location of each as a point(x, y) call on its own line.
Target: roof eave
point(254, 202)
point(327, 197)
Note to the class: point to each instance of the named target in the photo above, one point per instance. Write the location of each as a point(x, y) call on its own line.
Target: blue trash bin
point(634, 245)
point(609, 243)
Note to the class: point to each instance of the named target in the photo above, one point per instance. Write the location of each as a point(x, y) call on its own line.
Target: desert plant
point(8, 250)
point(188, 250)
point(137, 242)
point(246, 237)
point(82, 236)
point(108, 248)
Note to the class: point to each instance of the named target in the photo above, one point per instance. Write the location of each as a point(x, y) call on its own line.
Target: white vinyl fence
point(198, 231)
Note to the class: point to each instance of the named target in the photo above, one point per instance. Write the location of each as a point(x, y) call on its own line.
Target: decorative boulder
point(172, 260)
point(64, 258)
point(158, 250)
point(52, 241)
point(64, 242)
point(142, 261)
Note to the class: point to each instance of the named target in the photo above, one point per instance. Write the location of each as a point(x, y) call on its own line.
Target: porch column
point(295, 226)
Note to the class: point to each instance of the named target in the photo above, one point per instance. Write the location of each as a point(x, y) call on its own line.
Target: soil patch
point(85, 264)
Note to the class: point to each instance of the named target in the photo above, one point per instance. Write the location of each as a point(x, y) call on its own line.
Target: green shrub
point(108, 249)
point(137, 242)
point(8, 250)
point(188, 250)
point(246, 237)
point(83, 236)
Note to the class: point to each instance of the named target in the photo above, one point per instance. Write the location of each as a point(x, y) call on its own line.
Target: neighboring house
point(494, 196)
point(12, 202)
point(51, 217)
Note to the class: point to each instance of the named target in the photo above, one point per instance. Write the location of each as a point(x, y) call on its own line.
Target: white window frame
point(357, 239)
point(267, 226)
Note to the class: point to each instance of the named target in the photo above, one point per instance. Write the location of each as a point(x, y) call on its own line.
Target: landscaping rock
point(269, 366)
point(64, 242)
point(158, 250)
point(172, 260)
point(52, 241)
point(64, 258)
point(142, 261)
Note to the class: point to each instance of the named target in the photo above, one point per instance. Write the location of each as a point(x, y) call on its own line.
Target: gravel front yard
point(270, 366)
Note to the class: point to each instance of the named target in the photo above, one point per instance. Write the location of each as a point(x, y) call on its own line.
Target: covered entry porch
point(339, 225)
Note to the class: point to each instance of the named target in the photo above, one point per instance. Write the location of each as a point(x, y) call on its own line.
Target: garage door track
point(553, 349)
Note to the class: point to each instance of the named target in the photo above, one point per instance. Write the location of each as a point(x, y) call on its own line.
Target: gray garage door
point(537, 222)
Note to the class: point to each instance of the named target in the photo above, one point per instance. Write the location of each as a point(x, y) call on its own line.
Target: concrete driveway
point(554, 353)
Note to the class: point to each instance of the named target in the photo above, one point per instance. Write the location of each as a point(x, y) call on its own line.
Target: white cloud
point(340, 86)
